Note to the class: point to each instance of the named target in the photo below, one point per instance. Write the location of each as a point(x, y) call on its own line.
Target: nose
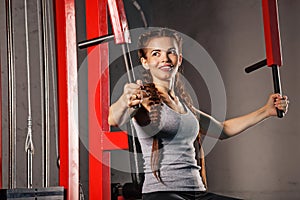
point(165, 56)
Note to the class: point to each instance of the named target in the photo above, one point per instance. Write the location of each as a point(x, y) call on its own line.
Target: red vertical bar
point(106, 178)
point(67, 96)
point(271, 31)
point(119, 21)
point(98, 98)
point(0, 129)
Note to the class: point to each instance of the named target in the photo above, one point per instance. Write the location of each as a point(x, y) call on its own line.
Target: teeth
point(166, 67)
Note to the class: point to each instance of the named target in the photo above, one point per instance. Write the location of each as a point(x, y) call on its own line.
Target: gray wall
point(263, 162)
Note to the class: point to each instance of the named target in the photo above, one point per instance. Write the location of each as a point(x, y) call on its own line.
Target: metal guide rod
point(11, 98)
point(42, 62)
point(42, 7)
point(47, 97)
point(128, 63)
point(135, 156)
point(51, 61)
point(29, 148)
point(132, 136)
point(133, 143)
point(46, 90)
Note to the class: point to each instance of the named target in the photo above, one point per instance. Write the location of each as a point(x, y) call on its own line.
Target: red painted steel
point(0, 129)
point(271, 32)
point(115, 140)
point(119, 21)
point(66, 50)
point(101, 140)
point(98, 99)
point(106, 178)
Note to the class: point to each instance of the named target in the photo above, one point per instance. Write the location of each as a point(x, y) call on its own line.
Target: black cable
point(139, 8)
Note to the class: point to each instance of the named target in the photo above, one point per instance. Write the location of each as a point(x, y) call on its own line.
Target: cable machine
point(101, 139)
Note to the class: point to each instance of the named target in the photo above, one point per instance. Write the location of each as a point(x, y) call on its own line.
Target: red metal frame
point(101, 140)
point(96, 25)
point(119, 21)
point(271, 32)
point(0, 129)
point(66, 50)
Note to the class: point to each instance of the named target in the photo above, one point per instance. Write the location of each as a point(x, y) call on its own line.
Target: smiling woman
point(169, 127)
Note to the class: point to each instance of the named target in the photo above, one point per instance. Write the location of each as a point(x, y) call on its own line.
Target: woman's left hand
point(277, 101)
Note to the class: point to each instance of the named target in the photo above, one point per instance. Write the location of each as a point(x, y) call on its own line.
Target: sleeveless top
point(178, 167)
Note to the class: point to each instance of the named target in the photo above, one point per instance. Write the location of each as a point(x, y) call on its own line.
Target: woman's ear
point(180, 59)
point(144, 63)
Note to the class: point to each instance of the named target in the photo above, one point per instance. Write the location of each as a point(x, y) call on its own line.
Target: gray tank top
point(178, 167)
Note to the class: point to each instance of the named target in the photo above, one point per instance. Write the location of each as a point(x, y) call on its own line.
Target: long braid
point(154, 115)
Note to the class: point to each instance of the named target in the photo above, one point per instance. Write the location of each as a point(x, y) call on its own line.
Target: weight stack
point(49, 193)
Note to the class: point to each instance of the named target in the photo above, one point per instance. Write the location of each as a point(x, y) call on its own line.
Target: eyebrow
point(171, 48)
point(155, 50)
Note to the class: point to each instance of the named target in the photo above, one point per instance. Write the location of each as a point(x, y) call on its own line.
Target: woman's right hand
point(138, 93)
point(133, 94)
point(119, 112)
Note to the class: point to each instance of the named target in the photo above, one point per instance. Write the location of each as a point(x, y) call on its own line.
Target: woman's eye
point(172, 51)
point(155, 53)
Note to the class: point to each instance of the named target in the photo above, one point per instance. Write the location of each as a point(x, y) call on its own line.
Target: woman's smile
point(166, 68)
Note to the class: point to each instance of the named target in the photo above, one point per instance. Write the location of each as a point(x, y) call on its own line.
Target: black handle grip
point(277, 86)
point(256, 66)
point(95, 41)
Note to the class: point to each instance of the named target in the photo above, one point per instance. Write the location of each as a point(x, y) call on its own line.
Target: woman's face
point(162, 59)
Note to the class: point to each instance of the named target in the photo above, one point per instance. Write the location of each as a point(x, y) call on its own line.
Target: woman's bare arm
point(234, 126)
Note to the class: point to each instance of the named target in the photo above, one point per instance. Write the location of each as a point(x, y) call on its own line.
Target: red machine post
point(66, 49)
point(272, 42)
point(271, 32)
point(101, 140)
point(272, 45)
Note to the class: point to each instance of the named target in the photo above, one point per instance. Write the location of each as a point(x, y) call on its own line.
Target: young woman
point(167, 124)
